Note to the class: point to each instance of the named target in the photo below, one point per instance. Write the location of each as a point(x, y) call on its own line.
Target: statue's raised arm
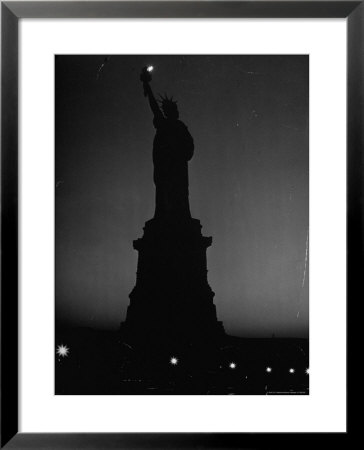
point(146, 77)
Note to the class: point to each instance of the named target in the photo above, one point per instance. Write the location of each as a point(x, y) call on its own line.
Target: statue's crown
point(164, 100)
point(169, 106)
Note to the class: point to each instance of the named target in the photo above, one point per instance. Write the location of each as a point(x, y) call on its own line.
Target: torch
point(146, 77)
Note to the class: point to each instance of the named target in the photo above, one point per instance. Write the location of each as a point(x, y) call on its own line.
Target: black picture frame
point(11, 12)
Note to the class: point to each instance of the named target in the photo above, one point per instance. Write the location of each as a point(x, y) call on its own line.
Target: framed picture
point(165, 244)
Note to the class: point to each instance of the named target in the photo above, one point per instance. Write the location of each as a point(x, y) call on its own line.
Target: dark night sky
point(248, 116)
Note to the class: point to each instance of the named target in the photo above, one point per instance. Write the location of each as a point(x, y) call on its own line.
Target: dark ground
point(100, 363)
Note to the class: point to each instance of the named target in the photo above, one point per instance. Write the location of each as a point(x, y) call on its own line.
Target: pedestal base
point(172, 299)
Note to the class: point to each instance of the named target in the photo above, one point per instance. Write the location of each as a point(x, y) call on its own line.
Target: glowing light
point(62, 350)
point(173, 361)
point(150, 69)
point(232, 365)
point(268, 369)
point(292, 370)
point(307, 371)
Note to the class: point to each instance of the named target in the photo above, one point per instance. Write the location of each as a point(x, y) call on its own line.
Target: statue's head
point(169, 107)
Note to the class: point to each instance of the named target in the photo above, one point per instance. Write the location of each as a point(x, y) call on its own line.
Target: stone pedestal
point(172, 299)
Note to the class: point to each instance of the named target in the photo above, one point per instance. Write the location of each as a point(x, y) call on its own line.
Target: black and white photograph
point(181, 224)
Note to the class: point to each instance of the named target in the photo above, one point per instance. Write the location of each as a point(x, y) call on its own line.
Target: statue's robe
point(172, 149)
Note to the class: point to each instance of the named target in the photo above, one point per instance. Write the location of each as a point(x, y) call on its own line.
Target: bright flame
point(62, 350)
point(307, 371)
point(291, 370)
point(268, 369)
point(232, 365)
point(150, 69)
point(173, 361)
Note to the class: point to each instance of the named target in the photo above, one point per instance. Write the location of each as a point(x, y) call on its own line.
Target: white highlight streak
point(304, 272)
point(101, 67)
